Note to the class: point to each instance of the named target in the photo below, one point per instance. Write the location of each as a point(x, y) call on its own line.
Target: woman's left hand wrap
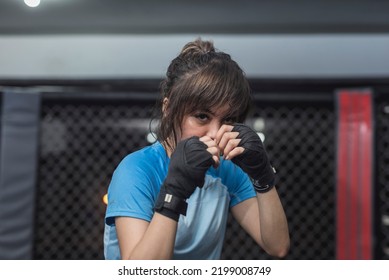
point(254, 160)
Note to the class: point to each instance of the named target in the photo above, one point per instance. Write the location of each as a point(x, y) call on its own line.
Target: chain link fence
point(81, 144)
point(83, 141)
point(299, 138)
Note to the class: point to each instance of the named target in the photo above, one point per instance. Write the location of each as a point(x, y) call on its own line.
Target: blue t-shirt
point(134, 189)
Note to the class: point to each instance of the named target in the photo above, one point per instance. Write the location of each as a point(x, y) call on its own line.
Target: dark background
point(86, 123)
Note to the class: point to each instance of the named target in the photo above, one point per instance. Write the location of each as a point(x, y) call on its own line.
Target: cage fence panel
point(83, 141)
point(299, 139)
point(81, 144)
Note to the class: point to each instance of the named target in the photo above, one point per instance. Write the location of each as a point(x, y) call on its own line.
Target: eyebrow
point(224, 116)
point(204, 111)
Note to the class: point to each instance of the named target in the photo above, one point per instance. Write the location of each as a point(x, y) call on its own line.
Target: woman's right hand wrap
point(188, 164)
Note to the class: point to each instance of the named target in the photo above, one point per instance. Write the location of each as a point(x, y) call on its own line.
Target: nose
point(213, 128)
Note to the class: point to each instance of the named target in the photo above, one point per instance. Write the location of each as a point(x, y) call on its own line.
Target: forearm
point(157, 241)
point(273, 224)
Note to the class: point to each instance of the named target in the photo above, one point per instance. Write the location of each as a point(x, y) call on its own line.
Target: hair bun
point(197, 47)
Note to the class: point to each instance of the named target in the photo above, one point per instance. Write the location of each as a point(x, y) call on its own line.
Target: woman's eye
point(229, 120)
point(202, 117)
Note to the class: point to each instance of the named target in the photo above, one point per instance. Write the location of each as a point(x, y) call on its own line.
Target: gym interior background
point(78, 82)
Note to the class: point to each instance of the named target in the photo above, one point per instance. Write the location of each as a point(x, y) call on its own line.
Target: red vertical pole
point(354, 174)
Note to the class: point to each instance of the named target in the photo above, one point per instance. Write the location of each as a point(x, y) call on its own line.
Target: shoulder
point(147, 158)
point(141, 169)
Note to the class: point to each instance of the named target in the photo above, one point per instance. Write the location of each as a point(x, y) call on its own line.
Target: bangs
point(215, 86)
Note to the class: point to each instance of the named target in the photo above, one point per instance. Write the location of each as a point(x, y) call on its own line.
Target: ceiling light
point(32, 3)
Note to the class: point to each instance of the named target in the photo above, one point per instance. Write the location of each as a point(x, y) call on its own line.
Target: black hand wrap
point(188, 164)
point(254, 160)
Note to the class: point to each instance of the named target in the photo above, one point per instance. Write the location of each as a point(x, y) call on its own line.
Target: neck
point(168, 150)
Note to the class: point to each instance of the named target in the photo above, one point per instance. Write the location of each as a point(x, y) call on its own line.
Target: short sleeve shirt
point(200, 234)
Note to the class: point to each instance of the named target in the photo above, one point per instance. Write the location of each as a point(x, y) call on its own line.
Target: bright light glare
point(32, 3)
point(151, 137)
point(105, 199)
point(259, 124)
point(262, 136)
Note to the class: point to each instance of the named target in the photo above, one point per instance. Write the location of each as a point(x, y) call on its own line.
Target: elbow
point(280, 251)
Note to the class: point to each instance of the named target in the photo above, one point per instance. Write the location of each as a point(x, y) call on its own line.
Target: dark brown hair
point(200, 78)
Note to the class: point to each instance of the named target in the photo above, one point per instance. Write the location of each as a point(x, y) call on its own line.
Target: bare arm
point(264, 219)
point(139, 239)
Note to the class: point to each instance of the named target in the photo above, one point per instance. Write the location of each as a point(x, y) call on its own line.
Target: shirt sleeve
point(132, 191)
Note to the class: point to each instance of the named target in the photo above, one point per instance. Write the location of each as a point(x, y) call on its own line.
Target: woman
point(171, 199)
